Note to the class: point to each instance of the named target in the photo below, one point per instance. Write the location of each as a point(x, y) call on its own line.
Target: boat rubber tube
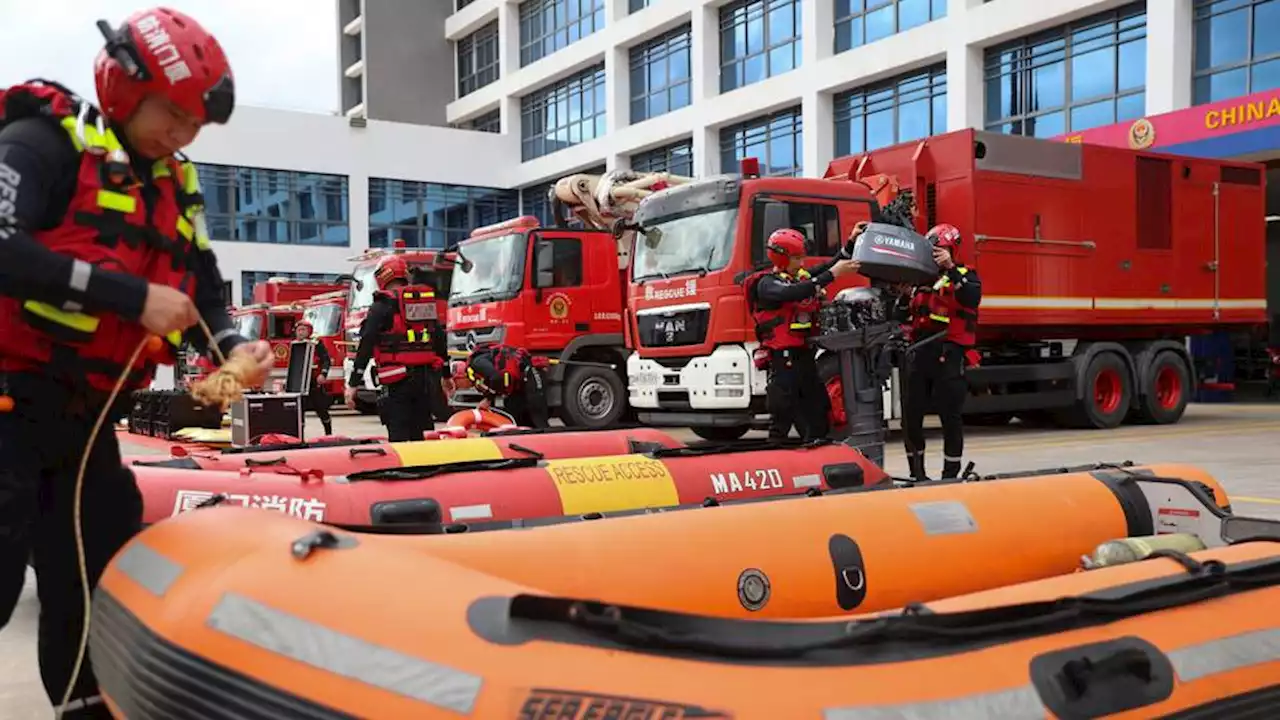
point(494, 486)
point(345, 458)
point(215, 615)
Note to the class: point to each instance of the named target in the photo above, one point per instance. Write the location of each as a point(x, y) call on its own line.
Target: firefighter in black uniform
point(510, 373)
point(102, 244)
point(317, 399)
point(935, 370)
point(784, 302)
point(403, 336)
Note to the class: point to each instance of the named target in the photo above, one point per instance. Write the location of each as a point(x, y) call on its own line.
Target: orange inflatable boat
point(228, 613)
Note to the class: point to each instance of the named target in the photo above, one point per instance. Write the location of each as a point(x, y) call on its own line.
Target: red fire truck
point(327, 314)
point(1096, 262)
point(433, 267)
point(556, 292)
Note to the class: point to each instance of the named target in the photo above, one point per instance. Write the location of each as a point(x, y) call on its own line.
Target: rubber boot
point(915, 465)
point(950, 469)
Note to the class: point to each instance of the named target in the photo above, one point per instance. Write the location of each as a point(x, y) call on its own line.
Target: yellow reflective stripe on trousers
point(310, 643)
point(76, 321)
point(120, 202)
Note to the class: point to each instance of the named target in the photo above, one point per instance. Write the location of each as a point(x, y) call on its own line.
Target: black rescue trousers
point(410, 407)
point(935, 376)
point(528, 406)
point(318, 401)
point(796, 395)
point(41, 442)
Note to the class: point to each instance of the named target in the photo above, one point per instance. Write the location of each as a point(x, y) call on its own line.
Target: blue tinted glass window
point(776, 139)
point(1237, 48)
point(275, 206)
point(433, 215)
point(637, 5)
point(534, 200)
point(908, 107)
point(758, 39)
point(550, 25)
point(1074, 77)
point(478, 59)
point(676, 159)
point(660, 70)
point(490, 122)
point(859, 22)
point(250, 278)
point(563, 114)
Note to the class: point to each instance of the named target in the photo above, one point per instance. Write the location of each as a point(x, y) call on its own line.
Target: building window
point(775, 139)
point(908, 107)
point(660, 71)
point(478, 59)
point(431, 215)
point(562, 115)
point(1237, 48)
point(534, 200)
point(862, 22)
point(461, 4)
point(250, 278)
point(758, 39)
point(275, 206)
point(1089, 73)
point(637, 5)
point(490, 122)
point(550, 25)
point(676, 159)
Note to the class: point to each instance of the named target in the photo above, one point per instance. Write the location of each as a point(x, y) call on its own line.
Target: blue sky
point(283, 52)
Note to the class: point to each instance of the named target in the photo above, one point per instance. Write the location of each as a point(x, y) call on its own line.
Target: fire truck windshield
point(325, 319)
point(684, 244)
point(363, 286)
point(495, 267)
point(249, 326)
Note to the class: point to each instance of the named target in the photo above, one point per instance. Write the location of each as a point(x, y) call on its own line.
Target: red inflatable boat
point(344, 457)
point(507, 488)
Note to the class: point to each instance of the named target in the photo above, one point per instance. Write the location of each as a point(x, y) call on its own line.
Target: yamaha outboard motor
point(894, 254)
point(857, 325)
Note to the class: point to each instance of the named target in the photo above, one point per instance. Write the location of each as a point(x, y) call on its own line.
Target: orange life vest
point(107, 224)
point(787, 326)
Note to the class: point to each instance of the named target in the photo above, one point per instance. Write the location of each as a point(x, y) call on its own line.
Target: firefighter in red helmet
point(510, 373)
point(103, 243)
point(317, 399)
point(404, 337)
point(784, 301)
point(935, 370)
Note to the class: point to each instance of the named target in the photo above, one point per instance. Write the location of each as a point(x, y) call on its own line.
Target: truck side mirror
point(543, 264)
point(775, 216)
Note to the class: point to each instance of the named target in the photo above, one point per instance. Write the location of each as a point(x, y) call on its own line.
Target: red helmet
point(305, 324)
point(391, 268)
point(783, 245)
point(163, 52)
point(944, 236)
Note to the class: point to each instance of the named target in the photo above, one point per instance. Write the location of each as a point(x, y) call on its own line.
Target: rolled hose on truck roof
point(494, 479)
point(217, 610)
point(357, 456)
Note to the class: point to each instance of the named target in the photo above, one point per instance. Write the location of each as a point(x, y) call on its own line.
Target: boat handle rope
point(154, 343)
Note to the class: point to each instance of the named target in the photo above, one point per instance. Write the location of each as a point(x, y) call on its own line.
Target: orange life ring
point(480, 420)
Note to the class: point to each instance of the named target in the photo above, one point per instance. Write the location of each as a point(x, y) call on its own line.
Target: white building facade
point(545, 88)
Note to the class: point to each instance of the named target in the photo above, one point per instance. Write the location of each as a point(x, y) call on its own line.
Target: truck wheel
point(829, 372)
point(721, 433)
point(593, 397)
point(1166, 391)
point(1107, 394)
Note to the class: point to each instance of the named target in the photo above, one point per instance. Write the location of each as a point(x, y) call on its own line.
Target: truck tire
point(721, 433)
point(1164, 395)
point(1108, 392)
point(593, 397)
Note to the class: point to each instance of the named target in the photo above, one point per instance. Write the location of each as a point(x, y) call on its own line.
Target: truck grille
point(672, 329)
